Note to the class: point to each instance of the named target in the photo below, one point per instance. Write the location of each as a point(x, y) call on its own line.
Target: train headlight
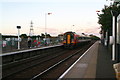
point(73, 41)
point(64, 41)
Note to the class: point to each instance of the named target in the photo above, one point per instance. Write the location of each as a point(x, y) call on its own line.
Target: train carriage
point(71, 39)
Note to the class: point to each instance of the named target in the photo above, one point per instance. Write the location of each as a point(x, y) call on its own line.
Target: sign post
point(18, 27)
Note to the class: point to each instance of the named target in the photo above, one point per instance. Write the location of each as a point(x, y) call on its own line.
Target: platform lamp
point(117, 3)
point(114, 26)
point(46, 25)
point(18, 27)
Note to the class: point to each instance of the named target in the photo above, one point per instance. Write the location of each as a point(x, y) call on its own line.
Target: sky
point(67, 15)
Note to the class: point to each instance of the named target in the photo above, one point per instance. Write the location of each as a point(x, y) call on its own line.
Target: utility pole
point(31, 33)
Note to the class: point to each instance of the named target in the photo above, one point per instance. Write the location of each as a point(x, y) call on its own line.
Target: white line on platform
point(74, 64)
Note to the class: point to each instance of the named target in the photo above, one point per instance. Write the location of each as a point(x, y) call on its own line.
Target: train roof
point(69, 32)
point(80, 35)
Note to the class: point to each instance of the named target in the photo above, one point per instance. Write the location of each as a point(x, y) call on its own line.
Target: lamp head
point(18, 27)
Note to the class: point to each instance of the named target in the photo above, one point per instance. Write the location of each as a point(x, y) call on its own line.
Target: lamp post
point(46, 25)
point(113, 37)
point(117, 3)
point(114, 13)
point(18, 27)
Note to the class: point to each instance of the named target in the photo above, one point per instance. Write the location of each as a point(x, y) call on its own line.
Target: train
point(72, 40)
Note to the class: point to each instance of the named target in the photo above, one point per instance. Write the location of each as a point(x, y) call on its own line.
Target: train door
point(68, 39)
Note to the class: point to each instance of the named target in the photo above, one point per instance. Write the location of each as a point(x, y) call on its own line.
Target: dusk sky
point(65, 13)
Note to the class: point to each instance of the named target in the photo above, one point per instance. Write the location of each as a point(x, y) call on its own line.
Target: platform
point(94, 63)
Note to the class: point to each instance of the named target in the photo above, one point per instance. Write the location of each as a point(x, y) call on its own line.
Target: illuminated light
point(73, 42)
point(64, 41)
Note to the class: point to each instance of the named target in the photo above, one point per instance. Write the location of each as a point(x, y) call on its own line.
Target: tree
point(48, 35)
point(42, 35)
point(83, 33)
point(23, 35)
point(105, 19)
point(94, 37)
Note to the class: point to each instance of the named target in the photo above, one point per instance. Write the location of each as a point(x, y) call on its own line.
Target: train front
point(68, 41)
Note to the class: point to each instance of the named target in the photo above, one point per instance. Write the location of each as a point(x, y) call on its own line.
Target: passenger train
point(71, 39)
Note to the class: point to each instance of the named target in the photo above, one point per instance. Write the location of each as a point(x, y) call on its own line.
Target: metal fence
point(11, 44)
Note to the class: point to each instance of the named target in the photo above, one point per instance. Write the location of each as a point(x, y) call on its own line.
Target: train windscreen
point(68, 37)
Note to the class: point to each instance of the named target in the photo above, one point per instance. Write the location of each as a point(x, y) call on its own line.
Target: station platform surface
point(94, 63)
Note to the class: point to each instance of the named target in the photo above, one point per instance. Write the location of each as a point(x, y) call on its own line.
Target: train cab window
point(72, 36)
point(64, 37)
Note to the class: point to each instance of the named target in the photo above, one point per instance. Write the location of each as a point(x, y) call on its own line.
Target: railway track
point(17, 66)
point(55, 71)
point(51, 66)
